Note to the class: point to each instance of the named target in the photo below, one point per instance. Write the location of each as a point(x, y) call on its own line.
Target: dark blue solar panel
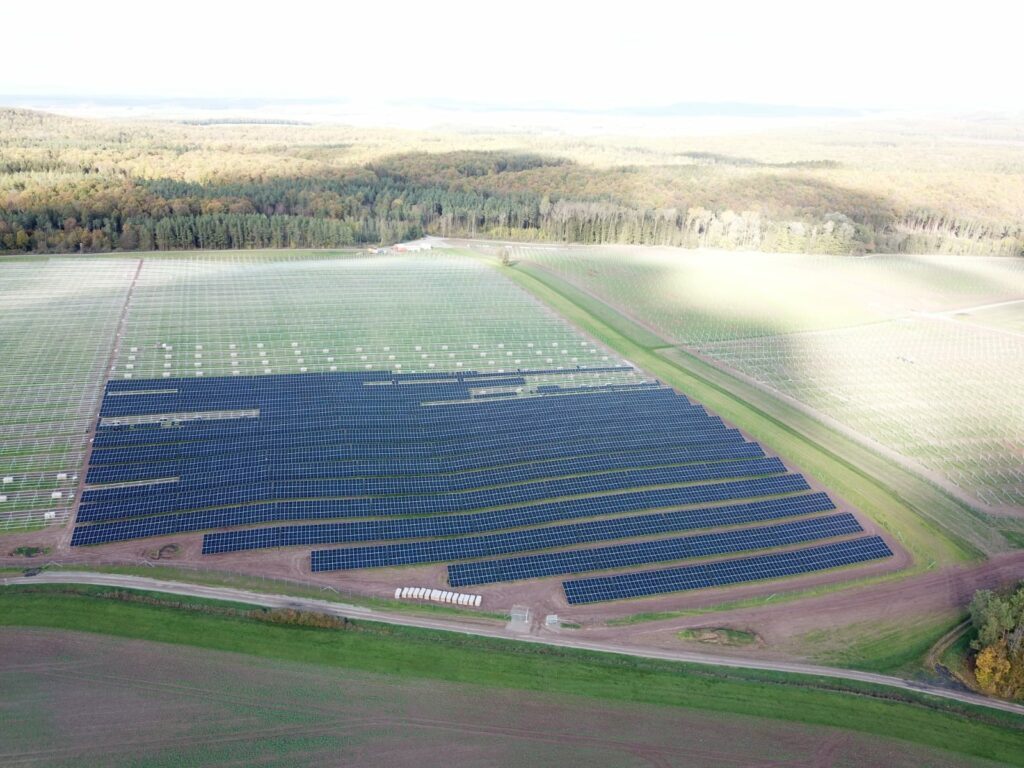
point(756, 568)
point(424, 495)
point(334, 448)
point(525, 515)
point(306, 466)
point(640, 553)
point(516, 541)
point(402, 457)
point(572, 561)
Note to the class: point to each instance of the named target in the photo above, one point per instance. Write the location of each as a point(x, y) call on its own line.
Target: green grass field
point(917, 353)
point(897, 647)
point(405, 652)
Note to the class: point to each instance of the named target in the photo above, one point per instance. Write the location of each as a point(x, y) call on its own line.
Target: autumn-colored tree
point(991, 667)
point(999, 622)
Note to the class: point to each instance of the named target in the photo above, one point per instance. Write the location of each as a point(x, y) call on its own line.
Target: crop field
point(921, 355)
point(354, 698)
point(421, 410)
point(58, 318)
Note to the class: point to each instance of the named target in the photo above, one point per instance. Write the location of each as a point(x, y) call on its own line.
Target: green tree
point(999, 621)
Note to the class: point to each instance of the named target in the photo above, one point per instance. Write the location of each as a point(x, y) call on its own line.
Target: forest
point(75, 185)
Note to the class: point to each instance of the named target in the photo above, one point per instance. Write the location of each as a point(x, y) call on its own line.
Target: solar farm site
point(921, 355)
point(396, 422)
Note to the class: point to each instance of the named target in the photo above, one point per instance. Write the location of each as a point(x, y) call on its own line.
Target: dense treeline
point(72, 186)
point(998, 620)
point(291, 214)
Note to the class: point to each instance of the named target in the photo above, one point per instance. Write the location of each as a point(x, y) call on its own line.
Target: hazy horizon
point(544, 57)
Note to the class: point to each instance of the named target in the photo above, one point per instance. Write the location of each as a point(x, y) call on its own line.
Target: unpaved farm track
point(115, 347)
point(451, 625)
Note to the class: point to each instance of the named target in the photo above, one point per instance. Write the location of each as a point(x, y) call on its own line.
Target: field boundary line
point(115, 347)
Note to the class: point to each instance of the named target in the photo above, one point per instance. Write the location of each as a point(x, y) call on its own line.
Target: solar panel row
point(269, 428)
point(640, 553)
point(384, 400)
point(376, 401)
point(717, 574)
point(233, 390)
point(524, 515)
point(233, 467)
point(354, 377)
point(533, 566)
point(422, 495)
point(363, 406)
point(556, 389)
point(265, 434)
point(482, 522)
point(334, 447)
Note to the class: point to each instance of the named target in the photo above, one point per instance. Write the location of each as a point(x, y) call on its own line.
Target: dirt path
point(115, 347)
point(940, 647)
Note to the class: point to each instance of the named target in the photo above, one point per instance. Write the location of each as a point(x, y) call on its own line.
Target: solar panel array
point(393, 496)
point(354, 445)
point(511, 517)
point(501, 475)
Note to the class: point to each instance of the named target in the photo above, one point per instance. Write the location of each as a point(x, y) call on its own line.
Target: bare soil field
point(541, 595)
point(935, 592)
point(80, 699)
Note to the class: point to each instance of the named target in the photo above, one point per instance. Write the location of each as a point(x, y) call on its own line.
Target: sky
point(593, 55)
